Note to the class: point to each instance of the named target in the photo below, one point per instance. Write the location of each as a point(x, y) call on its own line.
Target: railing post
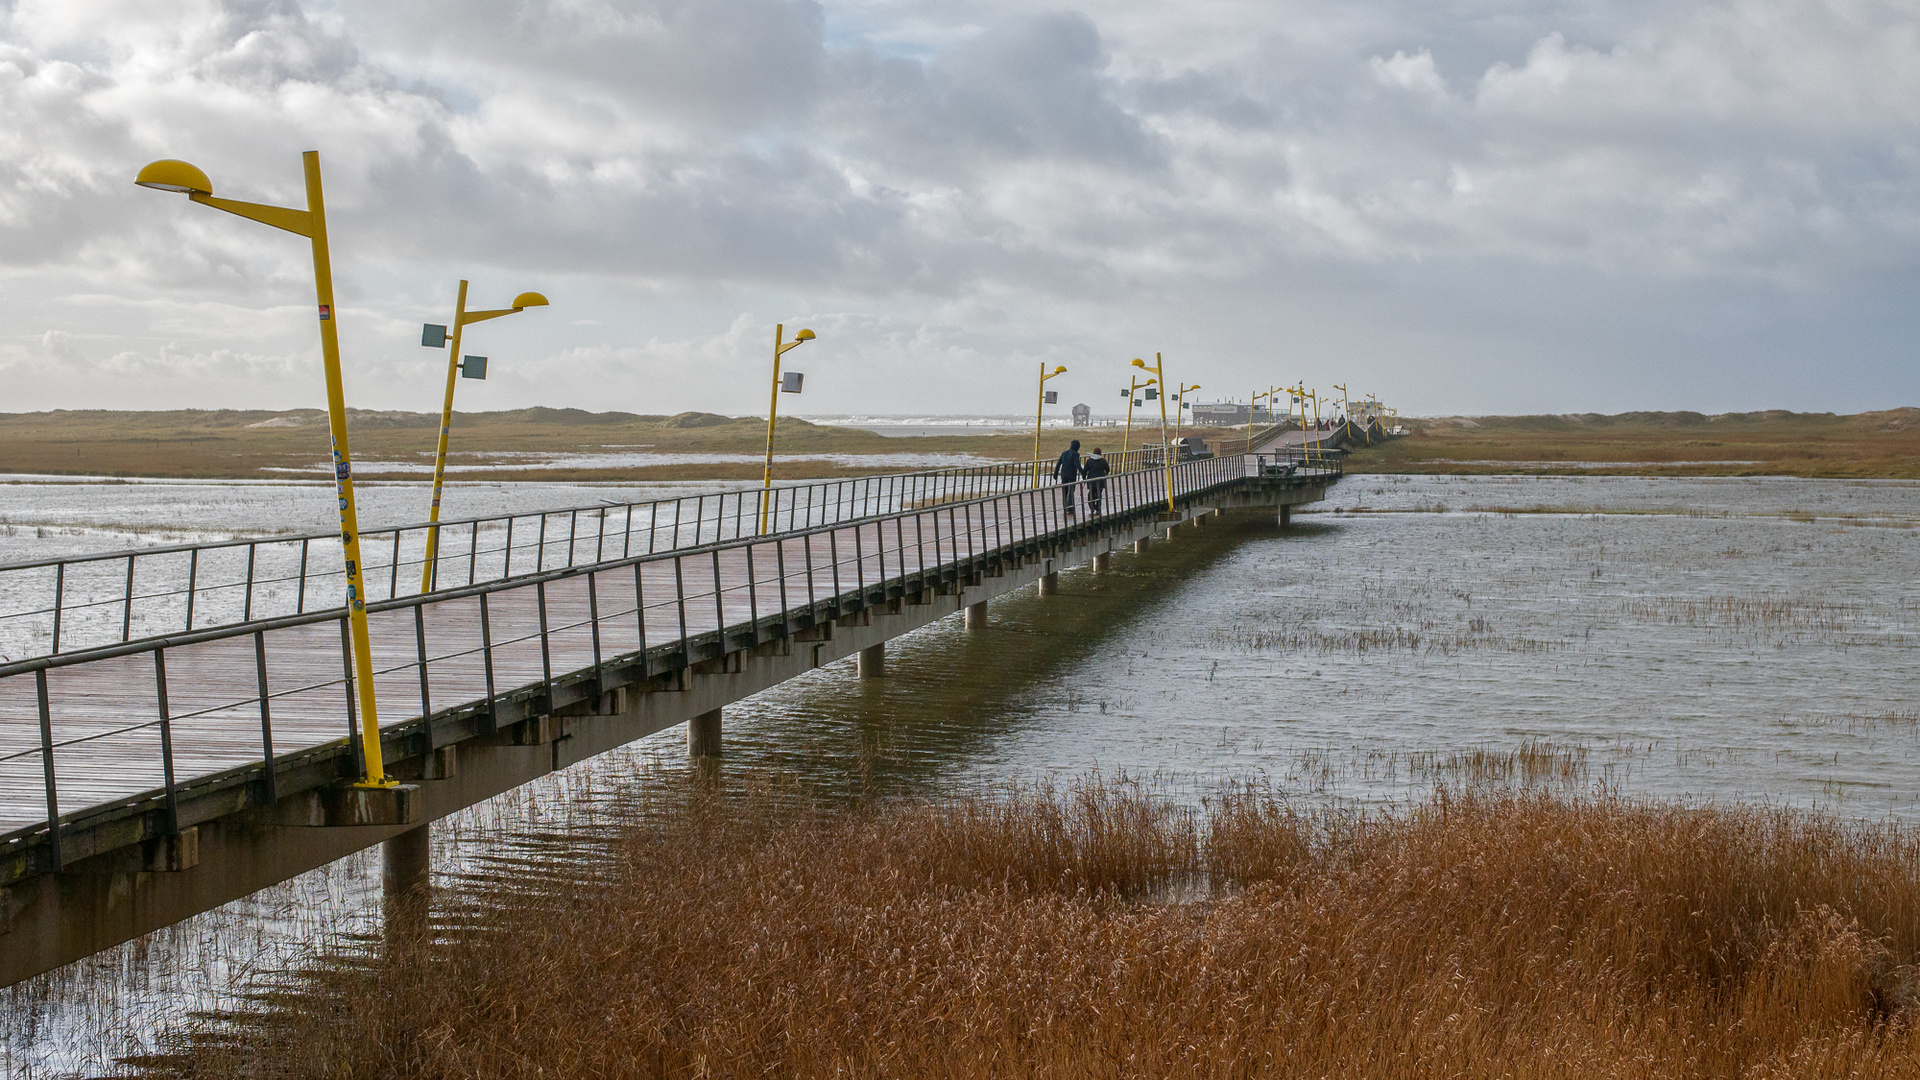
point(300, 602)
point(353, 720)
point(420, 651)
point(486, 656)
point(719, 605)
point(546, 652)
point(780, 571)
point(266, 717)
point(593, 618)
point(753, 595)
point(393, 572)
point(806, 543)
point(680, 599)
point(166, 740)
point(46, 765)
point(246, 607)
point(859, 567)
point(193, 579)
point(640, 613)
point(126, 618)
point(59, 593)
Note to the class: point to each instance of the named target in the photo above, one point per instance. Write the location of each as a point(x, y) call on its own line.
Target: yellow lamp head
point(170, 175)
point(529, 299)
point(804, 335)
point(1060, 370)
point(1139, 363)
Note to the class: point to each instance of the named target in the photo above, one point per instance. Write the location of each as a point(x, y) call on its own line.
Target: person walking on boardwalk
point(1067, 471)
point(1094, 470)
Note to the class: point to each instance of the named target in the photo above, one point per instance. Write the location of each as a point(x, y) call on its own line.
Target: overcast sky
point(1457, 205)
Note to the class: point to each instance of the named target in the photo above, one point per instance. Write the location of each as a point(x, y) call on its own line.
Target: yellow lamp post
point(1039, 411)
point(1166, 446)
point(457, 366)
point(1253, 403)
point(1313, 396)
point(1346, 409)
point(781, 347)
point(1134, 387)
point(178, 176)
point(1297, 395)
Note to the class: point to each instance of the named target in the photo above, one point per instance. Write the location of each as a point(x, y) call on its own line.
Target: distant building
point(1228, 414)
point(1082, 415)
point(1366, 413)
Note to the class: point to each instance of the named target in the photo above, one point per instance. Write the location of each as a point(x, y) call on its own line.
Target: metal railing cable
point(66, 715)
point(49, 606)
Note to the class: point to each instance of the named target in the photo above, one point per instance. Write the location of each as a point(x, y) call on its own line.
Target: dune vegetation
point(1100, 931)
point(1774, 443)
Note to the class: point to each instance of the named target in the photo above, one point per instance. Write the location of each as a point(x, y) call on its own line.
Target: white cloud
point(970, 185)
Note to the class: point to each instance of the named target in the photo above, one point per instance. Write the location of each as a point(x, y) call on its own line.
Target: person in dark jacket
point(1095, 470)
point(1067, 471)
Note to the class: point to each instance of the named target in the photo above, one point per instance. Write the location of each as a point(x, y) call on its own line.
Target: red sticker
point(326, 312)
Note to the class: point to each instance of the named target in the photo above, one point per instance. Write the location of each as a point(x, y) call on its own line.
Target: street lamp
point(1346, 410)
point(1252, 403)
point(434, 336)
point(1134, 386)
point(178, 176)
point(1166, 447)
point(780, 348)
point(1040, 411)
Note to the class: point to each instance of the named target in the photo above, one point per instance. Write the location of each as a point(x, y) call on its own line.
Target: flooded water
point(1700, 639)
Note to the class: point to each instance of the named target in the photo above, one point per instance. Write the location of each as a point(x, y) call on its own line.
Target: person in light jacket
point(1067, 471)
point(1094, 470)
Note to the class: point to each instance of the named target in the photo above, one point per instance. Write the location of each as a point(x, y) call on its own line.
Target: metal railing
point(52, 606)
point(116, 721)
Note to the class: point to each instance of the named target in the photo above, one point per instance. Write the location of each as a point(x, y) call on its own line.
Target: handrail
point(673, 598)
point(50, 606)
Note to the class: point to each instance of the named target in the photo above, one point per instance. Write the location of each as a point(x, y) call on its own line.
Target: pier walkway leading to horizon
point(147, 779)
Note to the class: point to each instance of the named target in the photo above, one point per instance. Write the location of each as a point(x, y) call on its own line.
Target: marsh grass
point(1746, 612)
point(1476, 636)
point(1101, 931)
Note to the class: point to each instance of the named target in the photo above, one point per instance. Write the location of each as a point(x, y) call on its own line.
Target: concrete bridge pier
point(977, 616)
point(1140, 545)
point(1286, 516)
point(1050, 584)
point(1103, 563)
point(703, 736)
point(872, 661)
point(406, 893)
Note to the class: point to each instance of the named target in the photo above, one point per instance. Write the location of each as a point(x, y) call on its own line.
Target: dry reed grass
point(1044, 934)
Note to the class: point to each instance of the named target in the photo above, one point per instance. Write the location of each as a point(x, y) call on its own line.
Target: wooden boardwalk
point(276, 689)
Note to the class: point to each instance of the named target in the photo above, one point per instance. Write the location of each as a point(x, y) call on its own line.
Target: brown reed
point(1102, 932)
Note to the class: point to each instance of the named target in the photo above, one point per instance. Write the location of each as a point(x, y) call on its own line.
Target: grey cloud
point(1034, 88)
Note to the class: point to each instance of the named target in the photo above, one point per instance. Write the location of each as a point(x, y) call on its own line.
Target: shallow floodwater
point(1735, 639)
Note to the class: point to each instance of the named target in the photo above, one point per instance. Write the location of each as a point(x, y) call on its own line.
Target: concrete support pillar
point(1050, 584)
point(406, 891)
point(703, 735)
point(1140, 546)
point(977, 616)
point(1103, 562)
point(872, 661)
point(1286, 516)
